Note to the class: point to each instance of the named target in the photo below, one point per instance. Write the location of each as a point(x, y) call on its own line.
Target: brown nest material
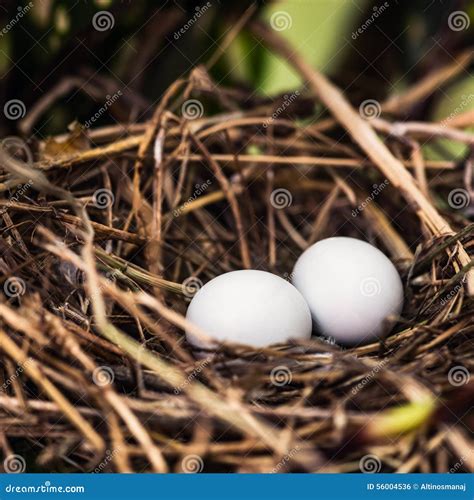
point(111, 229)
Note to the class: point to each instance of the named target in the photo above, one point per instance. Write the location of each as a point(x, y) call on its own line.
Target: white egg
point(249, 307)
point(351, 288)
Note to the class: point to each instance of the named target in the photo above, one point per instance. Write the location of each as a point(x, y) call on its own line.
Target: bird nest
point(108, 232)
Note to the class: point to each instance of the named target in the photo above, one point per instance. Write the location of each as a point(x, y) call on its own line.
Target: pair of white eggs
point(343, 287)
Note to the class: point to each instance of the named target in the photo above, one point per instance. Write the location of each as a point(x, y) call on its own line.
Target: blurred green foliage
point(458, 98)
point(371, 49)
point(321, 31)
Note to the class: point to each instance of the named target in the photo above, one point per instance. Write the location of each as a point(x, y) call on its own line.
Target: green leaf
point(457, 99)
point(402, 419)
point(320, 30)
